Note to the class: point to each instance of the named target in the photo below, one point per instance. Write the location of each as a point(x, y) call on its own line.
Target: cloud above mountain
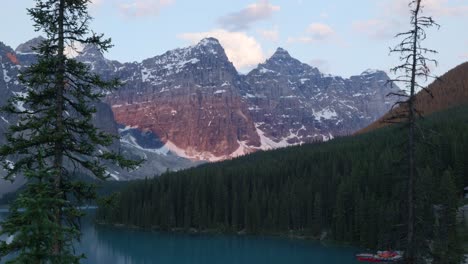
point(243, 19)
point(242, 50)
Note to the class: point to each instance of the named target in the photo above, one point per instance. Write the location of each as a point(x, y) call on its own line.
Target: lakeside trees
point(54, 137)
point(349, 187)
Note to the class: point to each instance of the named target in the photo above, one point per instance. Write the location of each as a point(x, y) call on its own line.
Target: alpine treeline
point(351, 188)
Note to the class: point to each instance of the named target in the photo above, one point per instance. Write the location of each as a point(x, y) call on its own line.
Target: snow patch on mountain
point(268, 143)
point(129, 140)
point(113, 175)
point(325, 113)
point(243, 149)
point(192, 154)
point(6, 78)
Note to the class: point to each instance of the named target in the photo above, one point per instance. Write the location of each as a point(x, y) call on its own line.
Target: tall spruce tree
point(414, 68)
point(54, 136)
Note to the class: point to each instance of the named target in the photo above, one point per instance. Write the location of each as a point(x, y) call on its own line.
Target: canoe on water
point(380, 257)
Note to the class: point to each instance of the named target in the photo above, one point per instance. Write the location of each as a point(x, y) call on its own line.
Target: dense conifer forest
point(353, 188)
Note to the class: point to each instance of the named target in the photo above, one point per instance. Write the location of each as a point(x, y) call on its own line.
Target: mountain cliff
point(191, 104)
point(292, 102)
point(198, 106)
point(190, 99)
point(13, 61)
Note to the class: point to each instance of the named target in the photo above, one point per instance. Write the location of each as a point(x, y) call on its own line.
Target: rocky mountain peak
point(91, 51)
point(281, 53)
point(209, 42)
point(4, 48)
point(206, 62)
point(28, 46)
point(193, 103)
point(210, 47)
point(371, 72)
point(281, 62)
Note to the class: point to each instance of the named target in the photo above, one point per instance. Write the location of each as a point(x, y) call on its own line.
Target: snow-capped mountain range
point(191, 104)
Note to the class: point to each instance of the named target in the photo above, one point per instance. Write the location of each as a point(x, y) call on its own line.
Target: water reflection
point(124, 246)
point(111, 245)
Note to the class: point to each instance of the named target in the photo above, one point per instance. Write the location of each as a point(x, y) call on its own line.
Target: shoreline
point(293, 235)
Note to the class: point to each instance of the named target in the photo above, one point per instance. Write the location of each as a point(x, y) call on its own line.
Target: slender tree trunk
point(410, 256)
point(58, 148)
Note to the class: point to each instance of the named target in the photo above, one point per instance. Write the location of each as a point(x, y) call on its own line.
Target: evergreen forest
point(350, 189)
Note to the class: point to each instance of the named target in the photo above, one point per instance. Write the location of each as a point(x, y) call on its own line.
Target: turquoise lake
point(104, 245)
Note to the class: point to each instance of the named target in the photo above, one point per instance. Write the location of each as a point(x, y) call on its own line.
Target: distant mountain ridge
point(450, 90)
point(13, 61)
point(195, 104)
point(201, 108)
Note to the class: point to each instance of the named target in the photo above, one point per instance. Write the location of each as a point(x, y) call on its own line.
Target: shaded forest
point(353, 188)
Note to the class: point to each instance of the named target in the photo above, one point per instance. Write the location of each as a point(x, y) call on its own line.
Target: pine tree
point(55, 125)
point(317, 223)
point(446, 246)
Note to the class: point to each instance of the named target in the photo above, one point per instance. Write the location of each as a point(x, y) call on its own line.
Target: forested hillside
point(352, 187)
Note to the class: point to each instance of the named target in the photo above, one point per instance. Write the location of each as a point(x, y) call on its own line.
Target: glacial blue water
point(109, 245)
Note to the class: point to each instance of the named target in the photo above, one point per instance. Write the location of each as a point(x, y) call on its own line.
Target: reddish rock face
point(190, 98)
point(196, 103)
point(193, 101)
point(134, 144)
point(204, 122)
point(12, 57)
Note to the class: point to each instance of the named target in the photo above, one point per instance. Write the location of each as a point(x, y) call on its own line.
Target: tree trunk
point(410, 256)
point(58, 148)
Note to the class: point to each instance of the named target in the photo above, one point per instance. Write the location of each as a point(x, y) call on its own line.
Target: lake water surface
point(108, 245)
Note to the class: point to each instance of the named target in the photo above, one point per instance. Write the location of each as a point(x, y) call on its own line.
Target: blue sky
point(340, 37)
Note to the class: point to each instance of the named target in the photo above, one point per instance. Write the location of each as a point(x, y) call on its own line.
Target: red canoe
point(380, 257)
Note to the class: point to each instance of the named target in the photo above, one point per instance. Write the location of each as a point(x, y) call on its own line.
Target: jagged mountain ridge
point(190, 99)
point(13, 61)
point(295, 103)
point(198, 106)
point(197, 103)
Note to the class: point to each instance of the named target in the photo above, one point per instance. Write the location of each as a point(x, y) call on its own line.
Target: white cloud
point(315, 32)
point(270, 34)
point(244, 51)
point(243, 19)
point(142, 8)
